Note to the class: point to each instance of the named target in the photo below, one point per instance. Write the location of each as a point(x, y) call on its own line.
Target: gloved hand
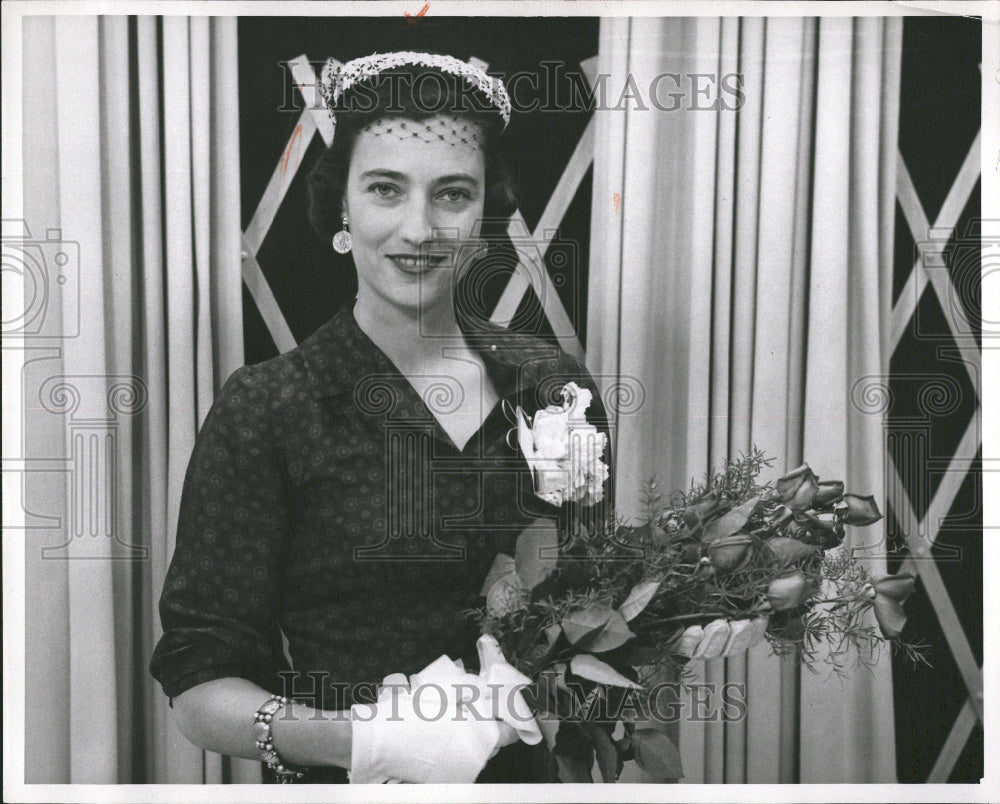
point(720, 638)
point(443, 724)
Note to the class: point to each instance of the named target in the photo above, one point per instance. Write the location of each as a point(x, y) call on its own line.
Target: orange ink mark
point(418, 15)
point(294, 142)
point(616, 200)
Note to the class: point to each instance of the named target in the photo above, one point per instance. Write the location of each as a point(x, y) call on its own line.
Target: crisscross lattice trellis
point(929, 269)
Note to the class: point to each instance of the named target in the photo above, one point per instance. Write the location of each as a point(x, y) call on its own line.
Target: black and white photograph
point(500, 396)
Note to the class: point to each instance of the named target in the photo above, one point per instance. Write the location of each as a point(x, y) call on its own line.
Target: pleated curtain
point(130, 149)
point(740, 290)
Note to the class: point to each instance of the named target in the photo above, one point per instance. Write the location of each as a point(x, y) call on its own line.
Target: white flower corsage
point(565, 452)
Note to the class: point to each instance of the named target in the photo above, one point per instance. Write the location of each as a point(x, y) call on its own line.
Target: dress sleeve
point(220, 597)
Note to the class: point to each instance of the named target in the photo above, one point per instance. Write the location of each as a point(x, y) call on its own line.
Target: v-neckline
point(477, 435)
point(440, 432)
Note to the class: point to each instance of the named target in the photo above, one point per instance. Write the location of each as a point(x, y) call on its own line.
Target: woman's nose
point(416, 226)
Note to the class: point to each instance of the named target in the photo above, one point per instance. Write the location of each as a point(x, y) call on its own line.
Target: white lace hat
point(338, 78)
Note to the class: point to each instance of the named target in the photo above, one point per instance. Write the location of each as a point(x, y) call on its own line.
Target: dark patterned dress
point(325, 502)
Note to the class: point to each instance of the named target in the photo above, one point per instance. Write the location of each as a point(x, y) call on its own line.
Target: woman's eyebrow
point(395, 175)
point(456, 177)
point(382, 173)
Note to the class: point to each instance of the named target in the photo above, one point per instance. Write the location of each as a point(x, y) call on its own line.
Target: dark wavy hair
point(406, 93)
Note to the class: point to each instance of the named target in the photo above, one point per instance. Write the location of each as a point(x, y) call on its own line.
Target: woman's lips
point(417, 263)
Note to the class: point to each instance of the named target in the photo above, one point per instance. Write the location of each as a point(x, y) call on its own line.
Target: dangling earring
point(342, 240)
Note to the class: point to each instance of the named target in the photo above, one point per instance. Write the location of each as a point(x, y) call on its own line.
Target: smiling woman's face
point(412, 206)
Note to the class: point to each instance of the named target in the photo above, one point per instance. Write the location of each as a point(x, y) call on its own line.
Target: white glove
point(444, 724)
point(720, 638)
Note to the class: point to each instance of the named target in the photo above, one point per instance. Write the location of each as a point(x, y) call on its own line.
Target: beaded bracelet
point(265, 742)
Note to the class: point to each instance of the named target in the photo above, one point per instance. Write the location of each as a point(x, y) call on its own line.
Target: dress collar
point(339, 356)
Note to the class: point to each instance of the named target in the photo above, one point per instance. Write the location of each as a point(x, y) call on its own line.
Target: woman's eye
point(455, 195)
point(384, 190)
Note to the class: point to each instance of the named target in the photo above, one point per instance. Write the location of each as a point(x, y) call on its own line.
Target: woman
point(352, 494)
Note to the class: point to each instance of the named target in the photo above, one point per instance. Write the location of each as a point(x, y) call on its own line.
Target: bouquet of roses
point(588, 610)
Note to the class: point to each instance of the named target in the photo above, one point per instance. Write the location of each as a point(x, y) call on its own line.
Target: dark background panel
point(939, 103)
point(904, 254)
point(939, 120)
point(963, 260)
point(931, 391)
